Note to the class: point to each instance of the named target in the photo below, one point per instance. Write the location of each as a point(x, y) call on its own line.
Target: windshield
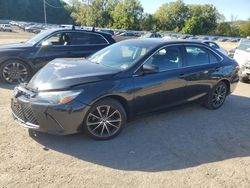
point(121, 55)
point(38, 37)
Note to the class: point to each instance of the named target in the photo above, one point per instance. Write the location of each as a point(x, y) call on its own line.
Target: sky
point(238, 8)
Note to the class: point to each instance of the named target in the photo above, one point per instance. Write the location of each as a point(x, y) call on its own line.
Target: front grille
point(24, 112)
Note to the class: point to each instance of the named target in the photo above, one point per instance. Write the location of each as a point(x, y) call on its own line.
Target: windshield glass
point(38, 37)
point(121, 55)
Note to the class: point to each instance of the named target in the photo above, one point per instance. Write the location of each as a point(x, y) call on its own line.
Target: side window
point(87, 39)
point(213, 58)
point(196, 56)
point(213, 45)
point(60, 39)
point(166, 59)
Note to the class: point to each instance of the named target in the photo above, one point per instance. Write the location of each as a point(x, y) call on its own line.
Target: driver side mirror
point(149, 69)
point(248, 49)
point(47, 44)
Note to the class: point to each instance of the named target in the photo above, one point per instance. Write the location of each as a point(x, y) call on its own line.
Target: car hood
point(64, 73)
point(14, 46)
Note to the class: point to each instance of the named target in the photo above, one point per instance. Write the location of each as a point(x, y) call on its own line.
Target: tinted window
point(87, 38)
point(166, 59)
point(213, 45)
point(199, 56)
point(196, 56)
point(60, 39)
point(213, 58)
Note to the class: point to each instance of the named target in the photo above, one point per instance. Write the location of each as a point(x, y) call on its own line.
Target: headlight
point(58, 97)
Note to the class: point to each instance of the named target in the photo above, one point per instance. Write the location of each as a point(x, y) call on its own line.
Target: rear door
point(202, 70)
point(86, 43)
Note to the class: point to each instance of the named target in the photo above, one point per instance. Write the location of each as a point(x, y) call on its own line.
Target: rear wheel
point(14, 71)
point(105, 119)
point(217, 96)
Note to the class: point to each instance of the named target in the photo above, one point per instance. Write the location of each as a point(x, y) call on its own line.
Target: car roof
point(78, 30)
point(161, 42)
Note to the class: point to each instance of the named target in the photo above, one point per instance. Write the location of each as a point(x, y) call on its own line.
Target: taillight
point(237, 68)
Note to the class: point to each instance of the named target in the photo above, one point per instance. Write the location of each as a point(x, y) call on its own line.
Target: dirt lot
point(186, 146)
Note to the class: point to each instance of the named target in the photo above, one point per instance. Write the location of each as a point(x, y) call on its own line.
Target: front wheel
point(14, 71)
point(105, 119)
point(217, 96)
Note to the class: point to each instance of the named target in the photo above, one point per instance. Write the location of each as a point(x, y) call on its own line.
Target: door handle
point(182, 75)
point(206, 72)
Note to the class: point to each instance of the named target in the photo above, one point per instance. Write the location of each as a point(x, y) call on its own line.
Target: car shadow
point(7, 86)
point(178, 138)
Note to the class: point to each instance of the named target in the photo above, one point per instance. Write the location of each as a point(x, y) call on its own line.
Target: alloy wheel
point(219, 95)
point(104, 121)
point(15, 72)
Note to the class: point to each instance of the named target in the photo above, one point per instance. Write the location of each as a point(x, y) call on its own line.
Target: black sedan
point(19, 61)
point(128, 78)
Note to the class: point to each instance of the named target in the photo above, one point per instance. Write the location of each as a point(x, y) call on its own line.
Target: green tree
point(148, 23)
point(204, 17)
point(223, 29)
point(171, 16)
point(194, 25)
point(96, 13)
point(127, 15)
point(227, 29)
point(245, 29)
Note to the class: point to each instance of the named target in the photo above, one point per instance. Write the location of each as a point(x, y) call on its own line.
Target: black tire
point(105, 119)
point(217, 96)
point(244, 80)
point(14, 71)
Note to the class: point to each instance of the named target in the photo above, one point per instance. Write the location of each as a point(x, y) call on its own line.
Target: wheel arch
point(122, 100)
point(227, 82)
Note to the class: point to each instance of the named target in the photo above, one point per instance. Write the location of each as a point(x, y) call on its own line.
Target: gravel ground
point(185, 146)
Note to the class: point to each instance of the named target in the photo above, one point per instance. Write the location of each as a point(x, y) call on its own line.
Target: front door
point(163, 88)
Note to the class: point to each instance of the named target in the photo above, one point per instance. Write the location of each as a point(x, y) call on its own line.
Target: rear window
point(199, 56)
point(244, 44)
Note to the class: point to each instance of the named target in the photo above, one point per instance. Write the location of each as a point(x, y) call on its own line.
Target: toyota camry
point(100, 93)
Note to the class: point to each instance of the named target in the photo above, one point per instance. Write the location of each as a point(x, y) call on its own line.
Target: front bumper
point(54, 119)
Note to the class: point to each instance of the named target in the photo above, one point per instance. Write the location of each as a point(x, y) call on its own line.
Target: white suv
point(242, 56)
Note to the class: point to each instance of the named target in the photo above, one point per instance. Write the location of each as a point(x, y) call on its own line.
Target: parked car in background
point(19, 61)
point(152, 35)
point(128, 78)
point(215, 46)
point(242, 56)
point(6, 27)
point(231, 52)
point(128, 34)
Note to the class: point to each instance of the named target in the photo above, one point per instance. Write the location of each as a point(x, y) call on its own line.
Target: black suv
point(18, 62)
